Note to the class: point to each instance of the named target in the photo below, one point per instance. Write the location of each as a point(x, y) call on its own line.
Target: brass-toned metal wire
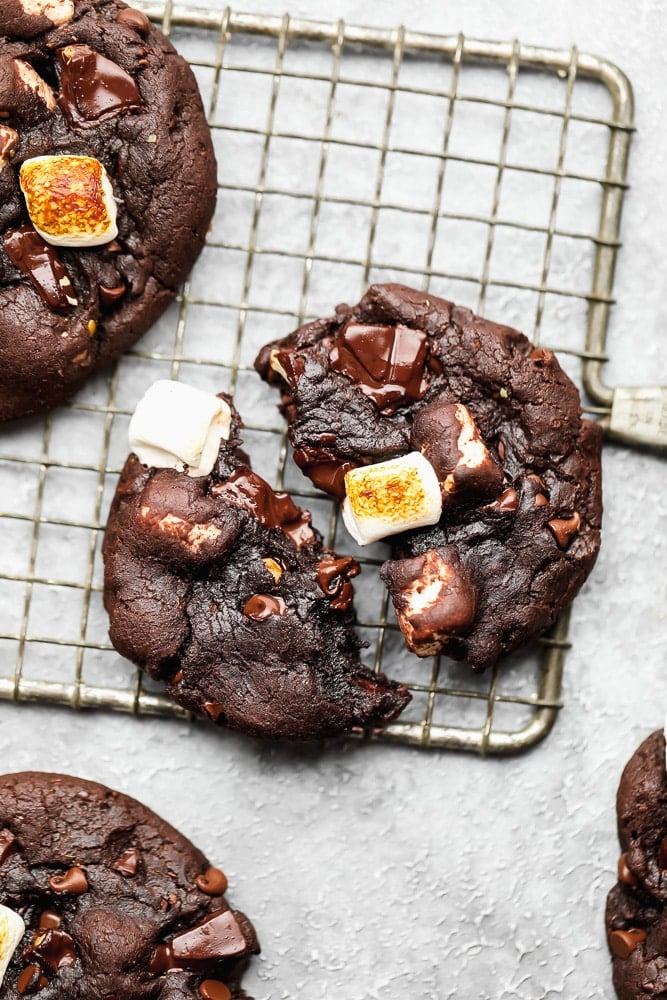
point(451, 708)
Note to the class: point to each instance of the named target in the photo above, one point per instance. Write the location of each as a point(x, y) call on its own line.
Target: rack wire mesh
point(489, 173)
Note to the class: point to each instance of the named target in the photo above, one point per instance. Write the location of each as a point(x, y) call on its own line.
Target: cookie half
point(464, 443)
point(114, 902)
point(636, 918)
point(107, 189)
point(220, 586)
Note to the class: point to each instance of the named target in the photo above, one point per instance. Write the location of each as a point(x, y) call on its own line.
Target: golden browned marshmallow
point(434, 599)
point(12, 929)
point(446, 433)
point(59, 12)
point(70, 200)
point(390, 497)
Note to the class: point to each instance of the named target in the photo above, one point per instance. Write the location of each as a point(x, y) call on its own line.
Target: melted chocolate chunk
point(387, 362)
point(201, 948)
point(93, 88)
point(275, 510)
point(325, 471)
point(333, 577)
point(51, 949)
point(41, 264)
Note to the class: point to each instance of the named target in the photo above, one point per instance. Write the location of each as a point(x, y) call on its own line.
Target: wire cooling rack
point(492, 174)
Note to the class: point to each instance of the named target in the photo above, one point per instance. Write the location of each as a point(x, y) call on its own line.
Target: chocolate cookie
point(465, 441)
point(636, 917)
point(221, 587)
point(100, 898)
point(107, 188)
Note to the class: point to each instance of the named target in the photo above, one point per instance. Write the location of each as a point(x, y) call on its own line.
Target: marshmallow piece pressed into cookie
point(70, 200)
point(176, 426)
point(59, 12)
point(389, 497)
point(12, 929)
point(434, 599)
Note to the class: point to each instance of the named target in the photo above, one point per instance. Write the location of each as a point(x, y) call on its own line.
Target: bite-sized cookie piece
point(498, 526)
point(221, 587)
point(636, 917)
point(107, 189)
point(100, 898)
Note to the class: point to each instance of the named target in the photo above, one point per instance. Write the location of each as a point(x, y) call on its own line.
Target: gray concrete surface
point(378, 872)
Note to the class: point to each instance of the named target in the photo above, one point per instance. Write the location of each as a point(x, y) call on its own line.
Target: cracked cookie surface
point(91, 80)
point(636, 918)
point(116, 902)
point(500, 422)
point(220, 587)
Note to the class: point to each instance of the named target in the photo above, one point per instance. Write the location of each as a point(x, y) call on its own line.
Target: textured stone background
point(377, 872)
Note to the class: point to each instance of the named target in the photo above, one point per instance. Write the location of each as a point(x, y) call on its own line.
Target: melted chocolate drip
point(274, 510)
point(388, 363)
point(325, 471)
point(333, 578)
point(93, 88)
point(41, 264)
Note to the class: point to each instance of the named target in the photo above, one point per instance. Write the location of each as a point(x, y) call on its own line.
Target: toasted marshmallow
point(70, 200)
point(12, 930)
point(178, 427)
point(58, 12)
point(390, 497)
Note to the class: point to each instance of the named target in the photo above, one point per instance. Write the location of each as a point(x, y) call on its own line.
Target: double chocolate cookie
point(107, 188)
point(636, 917)
point(220, 587)
point(464, 441)
point(100, 898)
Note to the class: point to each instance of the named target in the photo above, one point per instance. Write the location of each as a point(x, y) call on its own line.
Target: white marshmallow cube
point(390, 497)
point(12, 930)
point(176, 426)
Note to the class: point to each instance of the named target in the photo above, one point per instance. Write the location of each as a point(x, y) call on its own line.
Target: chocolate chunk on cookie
point(462, 441)
point(99, 897)
point(636, 915)
point(220, 586)
point(107, 189)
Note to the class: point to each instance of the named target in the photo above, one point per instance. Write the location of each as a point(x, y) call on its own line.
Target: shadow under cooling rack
point(492, 174)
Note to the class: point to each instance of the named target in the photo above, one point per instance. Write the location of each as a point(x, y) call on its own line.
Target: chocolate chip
point(128, 863)
point(134, 19)
point(110, 295)
point(540, 500)
point(30, 980)
point(624, 873)
point(214, 710)
point(262, 606)
point(74, 881)
point(623, 943)
point(49, 919)
point(564, 529)
point(213, 989)
point(213, 882)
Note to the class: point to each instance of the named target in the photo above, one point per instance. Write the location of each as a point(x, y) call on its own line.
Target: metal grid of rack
point(490, 173)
